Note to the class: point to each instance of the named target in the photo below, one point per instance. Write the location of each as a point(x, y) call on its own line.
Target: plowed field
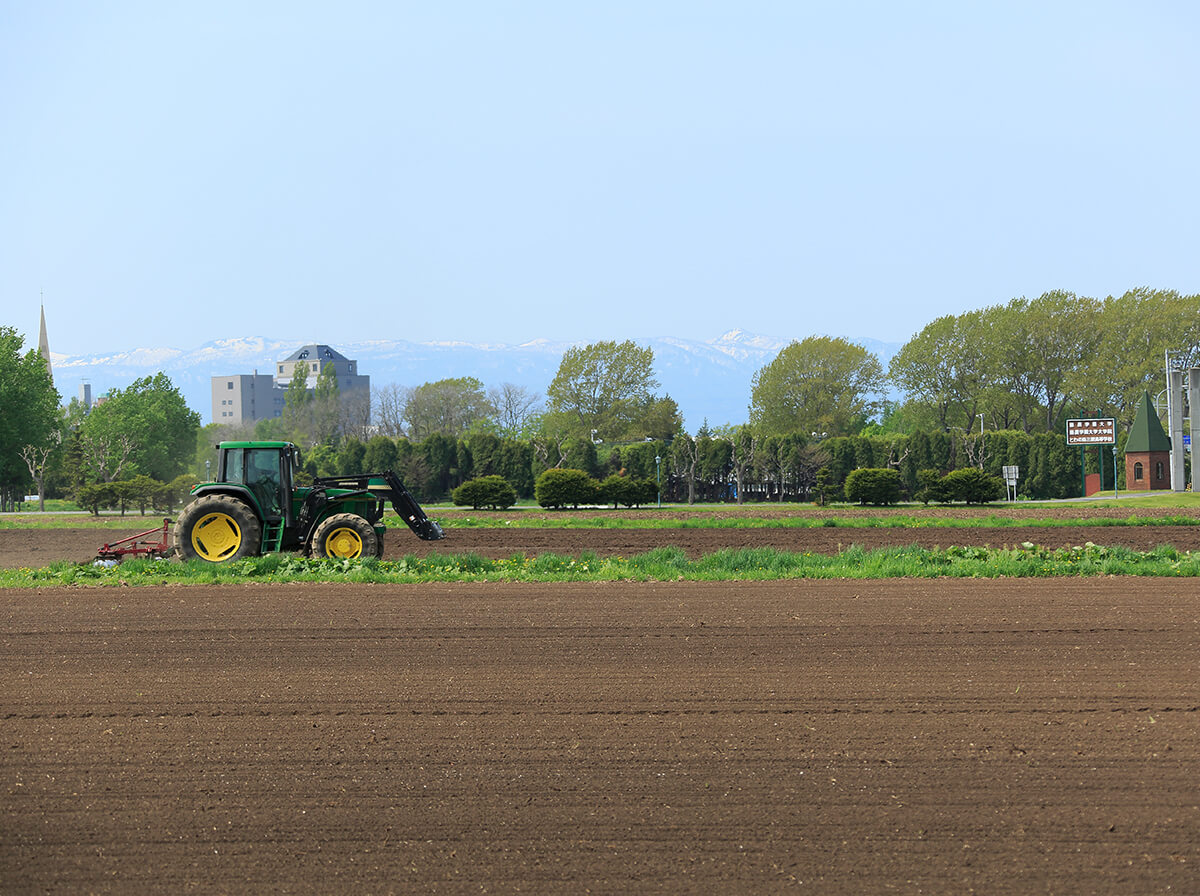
point(941, 736)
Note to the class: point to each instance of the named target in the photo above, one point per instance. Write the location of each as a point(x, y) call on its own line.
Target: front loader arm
point(388, 485)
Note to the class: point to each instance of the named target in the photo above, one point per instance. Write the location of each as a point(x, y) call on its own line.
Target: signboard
point(1095, 431)
point(1011, 474)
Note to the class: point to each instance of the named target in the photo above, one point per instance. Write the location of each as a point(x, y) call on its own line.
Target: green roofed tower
point(1147, 451)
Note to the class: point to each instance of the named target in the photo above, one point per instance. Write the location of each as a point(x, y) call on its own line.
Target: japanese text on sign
point(1101, 431)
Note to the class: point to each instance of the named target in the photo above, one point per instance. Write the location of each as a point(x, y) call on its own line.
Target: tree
point(560, 488)
point(448, 407)
point(874, 486)
point(146, 428)
point(389, 404)
point(1139, 328)
point(742, 442)
point(603, 389)
point(487, 491)
point(297, 411)
point(29, 405)
point(1059, 331)
point(516, 410)
point(36, 460)
point(819, 385)
point(325, 404)
point(942, 367)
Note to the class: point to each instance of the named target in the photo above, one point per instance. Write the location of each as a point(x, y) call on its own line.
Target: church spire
point(44, 344)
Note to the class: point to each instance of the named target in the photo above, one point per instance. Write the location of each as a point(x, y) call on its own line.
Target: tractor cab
point(267, 470)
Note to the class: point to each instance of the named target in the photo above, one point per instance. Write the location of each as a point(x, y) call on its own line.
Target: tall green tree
point(28, 411)
point(146, 429)
point(943, 368)
point(604, 390)
point(297, 421)
point(1059, 331)
point(1139, 328)
point(822, 384)
point(325, 406)
point(448, 407)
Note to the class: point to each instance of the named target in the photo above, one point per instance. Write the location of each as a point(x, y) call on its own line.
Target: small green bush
point(486, 491)
point(971, 486)
point(870, 485)
point(565, 488)
point(617, 490)
point(930, 486)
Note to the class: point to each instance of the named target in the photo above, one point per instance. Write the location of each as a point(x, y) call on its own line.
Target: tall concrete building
point(248, 398)
point(245, 398)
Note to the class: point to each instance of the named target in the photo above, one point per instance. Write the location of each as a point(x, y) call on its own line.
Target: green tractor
point(255, 507)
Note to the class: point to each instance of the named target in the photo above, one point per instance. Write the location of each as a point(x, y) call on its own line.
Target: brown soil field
point(39, 547)
point(940, 736)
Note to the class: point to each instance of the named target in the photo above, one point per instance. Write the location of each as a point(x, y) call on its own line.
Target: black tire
point(217, 528)
point(345, 536)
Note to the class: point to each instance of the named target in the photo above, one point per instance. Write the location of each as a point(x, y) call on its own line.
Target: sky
point(506, 171)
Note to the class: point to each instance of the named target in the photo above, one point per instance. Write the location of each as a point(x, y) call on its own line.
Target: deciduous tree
point(28, 408)
point(146, 428)
point(447, 407)
point(604, 389)
point(821, 384)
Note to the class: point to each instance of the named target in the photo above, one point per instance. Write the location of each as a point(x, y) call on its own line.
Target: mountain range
point(710, 380)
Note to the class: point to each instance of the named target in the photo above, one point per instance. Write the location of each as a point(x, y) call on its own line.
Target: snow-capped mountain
point(710, 380)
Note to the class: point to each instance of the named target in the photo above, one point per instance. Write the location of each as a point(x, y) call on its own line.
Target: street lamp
point(658, 476)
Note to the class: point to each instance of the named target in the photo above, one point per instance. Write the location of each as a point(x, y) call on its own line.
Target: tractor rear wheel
point(217, 528)
point(345, 536)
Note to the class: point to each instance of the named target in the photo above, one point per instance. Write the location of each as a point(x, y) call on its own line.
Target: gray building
point(248, 398)
point(245, 398)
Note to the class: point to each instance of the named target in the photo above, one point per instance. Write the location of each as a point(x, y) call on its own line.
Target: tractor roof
point(223, 445)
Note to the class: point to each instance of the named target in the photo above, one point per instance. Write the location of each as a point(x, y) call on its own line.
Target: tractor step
point(272, 542)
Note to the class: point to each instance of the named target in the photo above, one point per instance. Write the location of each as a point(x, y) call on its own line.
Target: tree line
point(983, 389)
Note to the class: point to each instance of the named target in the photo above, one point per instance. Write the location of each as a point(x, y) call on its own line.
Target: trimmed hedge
point(493, 491)
point(872, 485)
point(559, 488)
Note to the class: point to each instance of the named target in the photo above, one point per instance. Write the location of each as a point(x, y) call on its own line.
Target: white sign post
point(1011, 474)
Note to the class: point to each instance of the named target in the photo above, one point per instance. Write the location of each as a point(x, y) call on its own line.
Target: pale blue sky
point(491, 171)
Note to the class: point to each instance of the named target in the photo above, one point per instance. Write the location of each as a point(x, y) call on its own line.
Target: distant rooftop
point(315, 352)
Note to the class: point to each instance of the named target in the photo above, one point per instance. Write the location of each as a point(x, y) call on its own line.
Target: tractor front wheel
point(217, 528)
point(345, 536)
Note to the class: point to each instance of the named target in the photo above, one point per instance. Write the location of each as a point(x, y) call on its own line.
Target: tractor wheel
point(217, 528)
point(345, 536)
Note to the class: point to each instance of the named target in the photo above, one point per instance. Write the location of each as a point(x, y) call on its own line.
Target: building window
point(230, 384)
point(1158, 470)
point(1139, 472)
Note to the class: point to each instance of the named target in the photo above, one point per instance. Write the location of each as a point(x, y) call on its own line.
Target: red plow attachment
point(140, 545)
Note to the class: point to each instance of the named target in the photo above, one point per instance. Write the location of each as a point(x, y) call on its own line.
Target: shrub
point(930, 486)
point(971, 486)
point(874, 486)
point(626, 490)
point(562, 488)
point(486, 491)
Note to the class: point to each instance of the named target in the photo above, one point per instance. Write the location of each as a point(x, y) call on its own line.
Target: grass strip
point(662, 564)
point(631, 521)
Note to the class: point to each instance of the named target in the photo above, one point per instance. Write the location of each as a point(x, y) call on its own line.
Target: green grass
point(629, 520)
point(662, 564)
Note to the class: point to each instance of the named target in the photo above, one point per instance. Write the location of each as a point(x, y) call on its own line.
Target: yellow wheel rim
point(216, 537)
point(344, 543)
